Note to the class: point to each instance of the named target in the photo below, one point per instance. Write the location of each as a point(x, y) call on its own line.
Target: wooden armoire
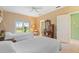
point(49, 29)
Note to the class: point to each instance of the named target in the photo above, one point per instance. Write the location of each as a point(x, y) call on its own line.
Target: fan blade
point(58, 6)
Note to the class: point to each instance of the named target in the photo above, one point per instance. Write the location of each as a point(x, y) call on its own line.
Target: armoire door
point(63, 27)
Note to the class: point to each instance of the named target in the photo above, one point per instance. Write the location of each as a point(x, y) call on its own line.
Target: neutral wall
point(9, 19)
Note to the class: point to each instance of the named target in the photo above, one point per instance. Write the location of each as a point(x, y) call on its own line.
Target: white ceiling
point(27, 10)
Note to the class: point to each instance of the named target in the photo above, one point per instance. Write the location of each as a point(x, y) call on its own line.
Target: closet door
point(63, 27)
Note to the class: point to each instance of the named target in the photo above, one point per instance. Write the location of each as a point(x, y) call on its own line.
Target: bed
point(31, 44)
point(38, 45)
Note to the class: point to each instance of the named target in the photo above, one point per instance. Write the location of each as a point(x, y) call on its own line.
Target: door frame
point(40, 27)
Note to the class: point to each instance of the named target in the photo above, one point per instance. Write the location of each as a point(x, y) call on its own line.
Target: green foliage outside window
point(22, 26)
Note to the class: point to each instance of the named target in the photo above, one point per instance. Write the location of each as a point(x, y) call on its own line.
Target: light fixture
point(36, 10)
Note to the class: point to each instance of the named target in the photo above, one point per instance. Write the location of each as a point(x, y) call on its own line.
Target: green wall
point(75, 26)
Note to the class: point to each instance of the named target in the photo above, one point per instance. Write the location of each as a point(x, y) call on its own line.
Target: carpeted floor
point(72, 47)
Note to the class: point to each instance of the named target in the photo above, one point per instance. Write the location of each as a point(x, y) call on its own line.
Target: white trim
point(73, 12)
point(69, 26)
point(40, 26)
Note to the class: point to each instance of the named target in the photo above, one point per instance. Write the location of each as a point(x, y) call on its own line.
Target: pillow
point(6, 47)
point(9, 35)
point(24, 36)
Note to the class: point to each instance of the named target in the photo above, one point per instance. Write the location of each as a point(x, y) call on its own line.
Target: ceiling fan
point(36, 9)
point(58, 6)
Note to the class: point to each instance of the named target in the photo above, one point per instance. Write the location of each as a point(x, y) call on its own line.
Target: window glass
point(22, 26)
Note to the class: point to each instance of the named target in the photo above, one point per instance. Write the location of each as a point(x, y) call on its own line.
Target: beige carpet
point(72, 47)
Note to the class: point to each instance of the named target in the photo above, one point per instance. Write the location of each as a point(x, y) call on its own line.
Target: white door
point(63, 27)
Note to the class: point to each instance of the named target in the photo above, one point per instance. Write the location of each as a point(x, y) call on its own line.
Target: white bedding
point(24, 36)
point(7, 47)
point(29, 44)
point(19, 36)
point(38, 45)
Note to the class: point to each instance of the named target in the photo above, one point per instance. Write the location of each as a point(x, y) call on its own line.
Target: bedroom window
point(22, 26)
